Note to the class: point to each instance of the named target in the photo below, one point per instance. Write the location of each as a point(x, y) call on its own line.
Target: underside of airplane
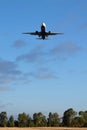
point(43, 33)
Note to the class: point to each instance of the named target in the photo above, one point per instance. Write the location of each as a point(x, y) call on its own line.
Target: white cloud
point(34, 56)
point(19, 44)
point(65, 50)
point(4, 88)
point(8, 67)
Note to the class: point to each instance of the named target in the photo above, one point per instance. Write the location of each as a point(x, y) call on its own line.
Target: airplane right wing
point(33, 33)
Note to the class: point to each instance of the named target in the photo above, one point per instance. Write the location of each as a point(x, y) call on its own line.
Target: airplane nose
point(43, 24)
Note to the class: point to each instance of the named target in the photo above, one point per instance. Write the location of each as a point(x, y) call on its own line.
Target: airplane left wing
point(53, 33)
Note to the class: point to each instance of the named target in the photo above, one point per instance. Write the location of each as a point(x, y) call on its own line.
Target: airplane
point(43, 33)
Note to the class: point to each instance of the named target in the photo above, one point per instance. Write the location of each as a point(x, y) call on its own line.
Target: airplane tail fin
point(43, 39)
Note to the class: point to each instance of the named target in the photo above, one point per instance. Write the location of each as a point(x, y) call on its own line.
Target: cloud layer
point(19, 44)
point(65, 50)
point(39, 54)
point(8, 67)
point(39, 60)
point(9, 73)
point(40, 57)
point(34, 56)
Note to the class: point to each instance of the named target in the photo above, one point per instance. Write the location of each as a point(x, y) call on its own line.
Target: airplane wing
point(33, 33)
point(53, 33)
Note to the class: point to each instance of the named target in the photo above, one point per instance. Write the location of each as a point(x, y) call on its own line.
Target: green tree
point(39, 119)
point(83, 116)
point(77, 122)
point(30, 122)
point(22, 120)
point(11, 121)
point(3, 119)
point(16, 123)
point(56, 120)
point(50, 119)
point(68, 117)
point(53, 119)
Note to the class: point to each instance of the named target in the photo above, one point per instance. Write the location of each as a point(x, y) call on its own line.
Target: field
point(43, 128)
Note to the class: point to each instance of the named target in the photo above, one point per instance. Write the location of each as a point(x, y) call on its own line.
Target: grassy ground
point(43, 128)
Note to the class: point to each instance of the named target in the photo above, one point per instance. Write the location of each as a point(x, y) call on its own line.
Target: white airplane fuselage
point(43, 30)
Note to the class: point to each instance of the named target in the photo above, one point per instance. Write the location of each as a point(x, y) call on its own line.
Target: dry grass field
point(43, 128)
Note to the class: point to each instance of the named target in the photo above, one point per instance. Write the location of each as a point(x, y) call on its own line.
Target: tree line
point(70, 119)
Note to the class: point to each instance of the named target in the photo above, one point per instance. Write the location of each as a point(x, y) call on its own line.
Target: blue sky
point(43, 75)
